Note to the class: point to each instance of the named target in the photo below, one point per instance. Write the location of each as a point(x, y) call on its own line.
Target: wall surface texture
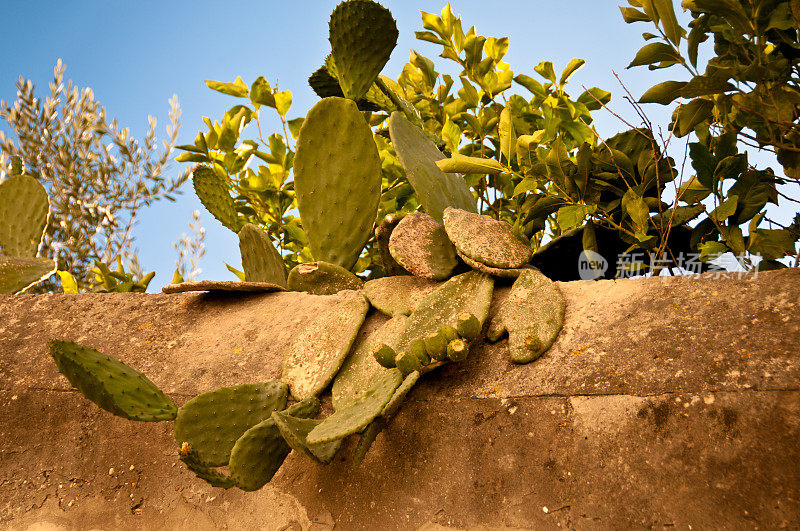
point(665, 401)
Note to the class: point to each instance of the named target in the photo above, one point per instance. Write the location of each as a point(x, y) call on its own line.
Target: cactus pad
point(18, 273)
point(261, 450)
point(466, 293)
point(260, 260)
point(23, 216)
point(533, 315)
point(435, 189)
point(367, 438)
point(359, 413)
point(322, 278)
point(212, 190)
point(362, 35)
point(382, 234)
point(203, 470)
point(212, 422)
point(419, 244)
point(337, 176)
point(486, 240)
point(360, 371)
point(399, 395)
point(111, 384)
point(493, 271)
point(295, 430)
point(398, 295)
point(314, 357)
point(221, 285)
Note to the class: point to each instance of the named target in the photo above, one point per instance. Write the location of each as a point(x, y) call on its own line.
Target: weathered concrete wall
point(666, 401)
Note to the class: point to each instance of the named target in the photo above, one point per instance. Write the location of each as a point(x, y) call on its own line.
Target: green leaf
point(732, 11)
point(261, 92)
point(68, 282)
point(666, 12)
point(663, 93)
point(571, 68)
point(594, 98)
point(731, 167)
point(283, 101)
point(429, 36)
point(635, 206)
point(571, 216)
point(191, 157)
point(536, 88)
point(772, 244)
point(711, 250)
point(691, 114)
point(725, 210)
point(703, 163)
point(237, 88)
point(464, 164)
point(508, 140)
point(496, 48)
point(545, 69)
point(630, 14)
point(526, 185)
point(652, 53)
point(753, 195)
point(706, 85)
point(294, 127)
point(239, 274)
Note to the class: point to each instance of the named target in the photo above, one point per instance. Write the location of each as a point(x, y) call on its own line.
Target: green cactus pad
point(358, 414)
point(203, 470)
point(222, 285)
point(212, 422)
point(486, 240)
point(408, 362)
point(295, 430)
point(362, 35)
point(533, 315)
point(325, 84)
point(23, 216)
point(260, 260)
point(399, 395)
point(493, 271)
point(317, 353)
point(261, 450)
point(382, 234)
point(322, 278)
point(420, 244)
point(385, 356)
point(368, 437)
point(360, 371)
point(212, 190)
point(18, 274)
point(398, 295)
point(111, 384)
point(435, 189)
point(457, 350)
point(337, 179)
point(466, 293)
point(468, 326)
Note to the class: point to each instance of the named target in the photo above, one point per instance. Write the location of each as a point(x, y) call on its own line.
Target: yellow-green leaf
point(464, 164)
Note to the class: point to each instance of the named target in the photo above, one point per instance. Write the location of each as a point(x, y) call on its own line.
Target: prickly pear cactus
point(317, 353)
point(322, 278)
point(493, 271)
point(359, 413)
point(212, 190)
point(383, 232)
point(203, 470)
point(420, 244)
point(363, 35)
point(18, 274)
point(398, 295)
point(111, 384)
point(260, 260)
point(24, 209)
point(337, 175)
point(222, 285)
point(368, 437)
point(533, 315)
point(295, 431)
point(435, 189)
point(360, 371)
point(212, 422)
point(261, 450)
point(486, 240)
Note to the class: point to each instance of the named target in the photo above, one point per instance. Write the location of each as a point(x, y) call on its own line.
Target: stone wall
point(665, 401)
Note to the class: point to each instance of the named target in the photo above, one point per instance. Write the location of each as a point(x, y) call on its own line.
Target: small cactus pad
point(213, 421)
point(486, 240)
point(408, 362)
point(382, 234)
point(322, 278)
point(260, 260)
point(317, 353)
point(399, 395)
point(203, 470)
point(435, 189)
point(359, 413)
point(466, 293)
point(360, 371)
point(18, 273)
point(398, 295)
point(295, 430)
point(221, 285)
point(261, 450)
point(493, 271)
point(385, 356)
point(368, 437)
point(212, 190)
point(111, 384)
point(362, 35)
point(533, 315)
point(457, 350)
point(468, 326)
point(337, 179)
point(23, 216)
point(419, 244)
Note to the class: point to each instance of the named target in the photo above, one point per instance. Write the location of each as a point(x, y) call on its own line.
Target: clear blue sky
point(136, 55)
